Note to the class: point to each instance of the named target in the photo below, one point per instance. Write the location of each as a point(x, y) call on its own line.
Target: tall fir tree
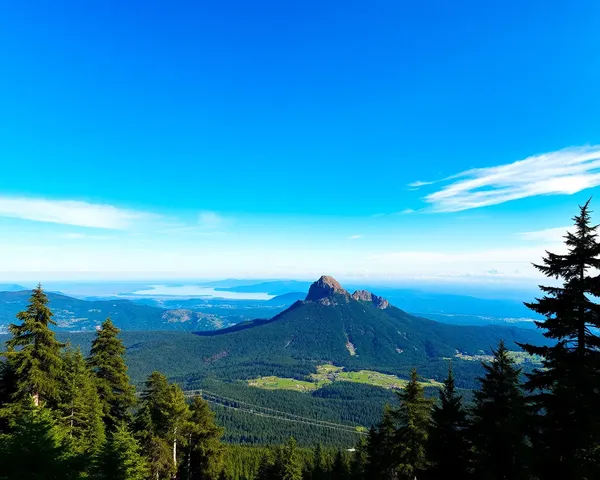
point(340, 470)
point(37, 447)
point(360, 460)
point(120, 457)
point(566, 389)
point(107, 363)
point(161, 423)
point(413, 429)
point(204, 451)
point(8, 388)
point(381, 448)
point(447, 447)
point(319, 467)
point(34, 352)
point(499, 422)
point(291, 461)
point(80, 408)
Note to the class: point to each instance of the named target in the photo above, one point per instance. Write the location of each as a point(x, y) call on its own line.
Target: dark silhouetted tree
point(565, 391)
point(447, 448)
point(499, 422)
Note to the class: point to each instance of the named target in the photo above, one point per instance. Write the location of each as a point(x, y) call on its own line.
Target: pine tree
point(8, 387)
point(360, 460)
point(566, 389)
point(34, 352)
point(340, 469)
point(413, 418)
point(36, 448)
point(319, 469)
point(447, 448)
point(107, 362)
point(291, 461)
point(381, 448)
point(204, 451)
point(499, 421)
point(161, 422)
point(121, 458)
point(80, 407)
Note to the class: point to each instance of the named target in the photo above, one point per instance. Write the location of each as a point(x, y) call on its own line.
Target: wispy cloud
point(211, 220)
point(354, 237)
point(83, 236)
point(548, 235)
point(68, 212)
point(563, 172)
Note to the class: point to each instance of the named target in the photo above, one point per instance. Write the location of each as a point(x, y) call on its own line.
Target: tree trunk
point(175, 452)
point(36, 399)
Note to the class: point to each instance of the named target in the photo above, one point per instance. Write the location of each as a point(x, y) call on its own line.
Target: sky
point(386, 140)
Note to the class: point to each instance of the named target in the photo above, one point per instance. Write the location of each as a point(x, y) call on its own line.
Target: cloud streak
point(563, 172)
point(68, 212)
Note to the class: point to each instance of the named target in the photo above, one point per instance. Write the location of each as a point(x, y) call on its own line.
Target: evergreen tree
point(340, 469)
point(204, 451)
point(360, 460)
point(566, 389)
point(36, 448)
point(291, 461)
point(319, 468)
point(413, 418)
point(447, 448)
point(381, 448)
point(107, 362)
point(161, 422)
point(8, 386)
point(34, 352)
point(80, 407)
point(121, 458)
point(499, 421)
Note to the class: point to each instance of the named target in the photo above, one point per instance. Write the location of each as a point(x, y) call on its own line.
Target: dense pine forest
point(66, 415)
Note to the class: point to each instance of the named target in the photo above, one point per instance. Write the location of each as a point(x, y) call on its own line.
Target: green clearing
point(328, 373)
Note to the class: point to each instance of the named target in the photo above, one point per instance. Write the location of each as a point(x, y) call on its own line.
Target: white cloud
point(68, 212)
point(563, 172)
point(354, 237)
point(83, 236)
point(548, 235)
point(210, 219)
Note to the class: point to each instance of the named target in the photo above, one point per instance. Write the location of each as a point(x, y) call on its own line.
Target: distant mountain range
point(73, 314)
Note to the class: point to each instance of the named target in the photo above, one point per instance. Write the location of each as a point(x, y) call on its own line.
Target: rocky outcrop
point(328, 291)
point(365, 296)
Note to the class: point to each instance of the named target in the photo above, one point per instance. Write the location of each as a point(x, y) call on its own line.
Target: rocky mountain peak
point(365, 296)
point(324, 289)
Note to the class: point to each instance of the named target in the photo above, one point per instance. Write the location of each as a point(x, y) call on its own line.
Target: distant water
point(196, 291)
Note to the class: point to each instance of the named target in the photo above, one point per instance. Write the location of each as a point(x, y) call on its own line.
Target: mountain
point(73, 314)
point(358, 331)
point(10, 287)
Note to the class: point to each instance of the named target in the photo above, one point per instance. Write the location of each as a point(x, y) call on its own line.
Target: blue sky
point(290, 139)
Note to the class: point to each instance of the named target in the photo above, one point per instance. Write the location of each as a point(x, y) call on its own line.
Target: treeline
point(64, 416)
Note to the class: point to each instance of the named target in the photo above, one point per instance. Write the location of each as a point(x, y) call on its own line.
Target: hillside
point(359, 331)
point(73, 314)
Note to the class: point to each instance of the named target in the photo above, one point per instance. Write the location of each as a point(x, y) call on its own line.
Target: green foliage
point(447, 448)
point(204, 451)
point(499, 422)
point(36, 448)
point(412, 434)
point(121, 457)
point(79, 408)
point(34, 352)
point(108, 365)
point(566, 389)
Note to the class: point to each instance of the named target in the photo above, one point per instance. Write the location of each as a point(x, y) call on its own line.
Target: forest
point(66, 415)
